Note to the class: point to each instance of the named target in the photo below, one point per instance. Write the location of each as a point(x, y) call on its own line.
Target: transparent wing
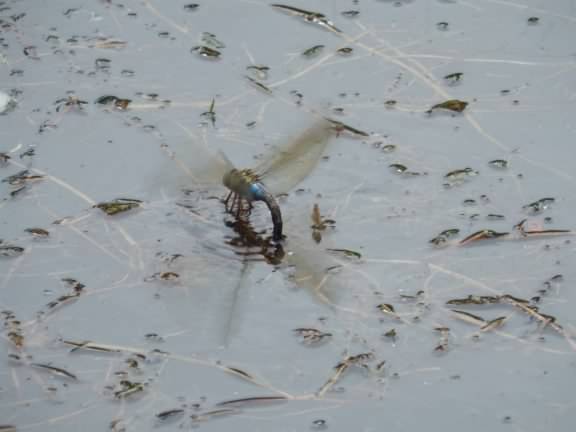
point(201, 163)
point(208, 166)
point(293, 161)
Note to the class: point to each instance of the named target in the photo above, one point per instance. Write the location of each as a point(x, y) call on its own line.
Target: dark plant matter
point(396, 253)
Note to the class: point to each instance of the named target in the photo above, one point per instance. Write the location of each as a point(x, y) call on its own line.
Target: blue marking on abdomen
point(258, 192)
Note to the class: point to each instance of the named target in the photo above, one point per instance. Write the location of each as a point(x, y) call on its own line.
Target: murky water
point(168, 316)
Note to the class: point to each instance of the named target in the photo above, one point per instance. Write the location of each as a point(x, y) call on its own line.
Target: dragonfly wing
point(313, 270)
point(203, 165)
point(293, 161)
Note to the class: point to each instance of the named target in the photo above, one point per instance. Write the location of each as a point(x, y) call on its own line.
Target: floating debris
point(494, 217)
point(38, 232)
point(31, 52)
point(339, 370)
point(358, 359)
point(89, 346)
point(61, 301)
point(74, 285)
point(454, 105)
point(339, 127)
point(345, 51)
point(443, 344)
point(10, 251)
point(469, 317)
point(254, 400)
point(129, 388)
point(7, 103)
point(539, 206)
point(319, 424)
point(110, 44)
point(484, 234)
point(259, 71)
point(119, 205)
point(240, 372)
point(442, 25)
point(13, 329)
point(350, 13)
point(389, 148)
point(55, 370)
point(398, 168)
point(442, 238)
point(209, 39)
point(312, 336)
point(170, 414)
point(191, 7)
point(207, 52)
point(313, 51)
point(31, 152)
point(21, 178)
point(116, 102)
point(454, 78)
point(165, 276)
point(320, 224)
point(214, 413)
point(460, 175)
point(498, 164)
point(391, 334)
point(539, 232)
point(475, 300)
point(102, 64)
point(346, 252)
point(308, 16)
point(210, 115)
point(534, 312)
point(259, 85)
point(69, 103)
point(154, 337)
point(388, 309)
point(493, 324)
point(533, 20)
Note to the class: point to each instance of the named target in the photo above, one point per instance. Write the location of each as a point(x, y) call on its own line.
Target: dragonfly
point(207, 295)
point(277, 173)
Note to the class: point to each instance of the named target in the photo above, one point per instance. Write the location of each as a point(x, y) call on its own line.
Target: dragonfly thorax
point(245, 183)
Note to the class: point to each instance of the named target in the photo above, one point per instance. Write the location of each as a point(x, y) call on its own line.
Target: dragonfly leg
point(246, 209)
point(227, 202)
point(238, 206)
